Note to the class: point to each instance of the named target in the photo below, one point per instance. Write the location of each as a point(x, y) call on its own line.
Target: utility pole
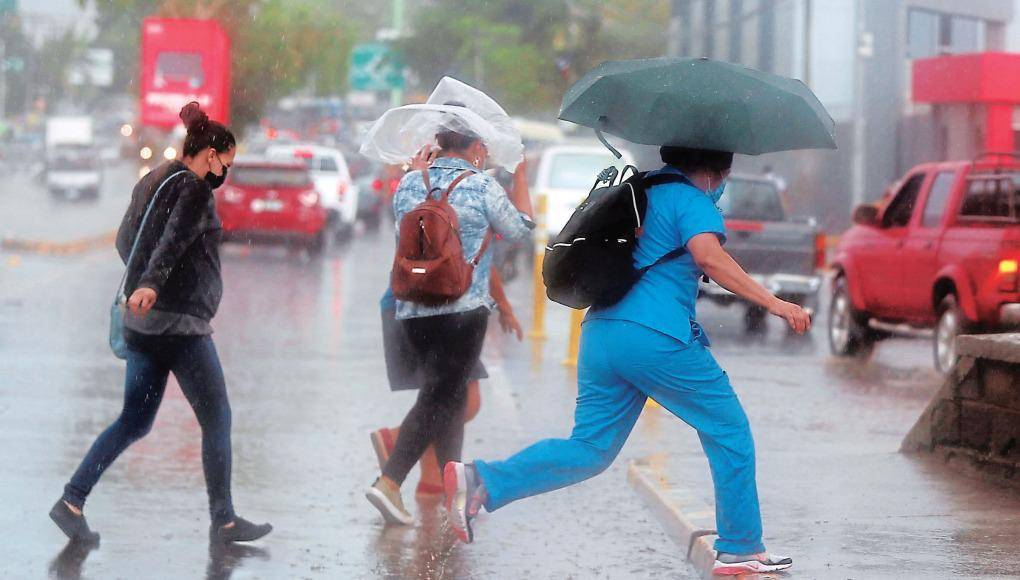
point(807, 42)
point(397, 94)
point(3, 83)
point(865, 50)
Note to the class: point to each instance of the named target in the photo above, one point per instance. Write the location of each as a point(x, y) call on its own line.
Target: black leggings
point(193, 360)
point(447, 348)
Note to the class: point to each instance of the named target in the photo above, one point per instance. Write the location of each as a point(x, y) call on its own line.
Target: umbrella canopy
point(699, 103)
point(402, 131)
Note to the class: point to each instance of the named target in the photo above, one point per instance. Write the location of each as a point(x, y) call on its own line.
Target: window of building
point(934, 33)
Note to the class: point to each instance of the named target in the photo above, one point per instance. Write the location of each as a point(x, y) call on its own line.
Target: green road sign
point(376, 66)
point(13, 64)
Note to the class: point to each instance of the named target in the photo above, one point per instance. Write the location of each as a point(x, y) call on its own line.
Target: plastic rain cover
point(402, 131)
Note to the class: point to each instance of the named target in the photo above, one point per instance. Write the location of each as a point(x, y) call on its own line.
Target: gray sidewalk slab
point(847, 514)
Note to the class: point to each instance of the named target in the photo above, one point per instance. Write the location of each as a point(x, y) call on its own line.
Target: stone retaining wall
point(973, 422)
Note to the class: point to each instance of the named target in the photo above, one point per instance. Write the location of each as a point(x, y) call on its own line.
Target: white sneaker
point(734, 564)
point(464, 498)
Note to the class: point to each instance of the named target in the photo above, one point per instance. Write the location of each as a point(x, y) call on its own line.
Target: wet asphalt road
point(300, 343)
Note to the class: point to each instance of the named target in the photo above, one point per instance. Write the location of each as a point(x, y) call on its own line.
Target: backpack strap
point(652, 181)
point(481, 251)
point(488, 236)
point(456, 181)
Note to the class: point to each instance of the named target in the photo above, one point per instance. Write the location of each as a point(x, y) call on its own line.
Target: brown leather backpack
point(429, 267)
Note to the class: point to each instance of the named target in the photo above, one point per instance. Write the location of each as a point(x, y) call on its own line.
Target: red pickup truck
point(940, 253)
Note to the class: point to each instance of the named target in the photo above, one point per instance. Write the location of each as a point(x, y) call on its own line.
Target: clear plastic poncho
point(401, 132)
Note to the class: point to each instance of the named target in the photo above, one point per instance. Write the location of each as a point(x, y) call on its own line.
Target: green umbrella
point(699, 103)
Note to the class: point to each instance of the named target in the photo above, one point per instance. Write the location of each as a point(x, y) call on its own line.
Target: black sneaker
point(241, 531)
point(73, 525)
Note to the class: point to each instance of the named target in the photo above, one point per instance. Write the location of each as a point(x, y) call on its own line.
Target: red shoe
point(383, 442)
point(428, 490)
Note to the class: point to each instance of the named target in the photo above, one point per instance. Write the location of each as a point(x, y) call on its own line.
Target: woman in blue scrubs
point(649, 345)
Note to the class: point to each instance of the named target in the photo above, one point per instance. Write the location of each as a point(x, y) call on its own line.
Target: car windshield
point(269, 176)
point(578, 170)
point(754, 200)
point(992, 197)
point(73, 159)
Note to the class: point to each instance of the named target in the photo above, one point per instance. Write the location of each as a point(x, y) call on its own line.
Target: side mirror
point(866, 215)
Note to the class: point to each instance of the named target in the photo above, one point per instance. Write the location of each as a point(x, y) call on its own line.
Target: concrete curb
point(61, 248)
point(686, 519)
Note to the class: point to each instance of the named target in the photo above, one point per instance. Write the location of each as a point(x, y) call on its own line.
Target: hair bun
point(194, 117)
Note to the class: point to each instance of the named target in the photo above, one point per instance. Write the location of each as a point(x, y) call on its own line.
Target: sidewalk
point(845, 511)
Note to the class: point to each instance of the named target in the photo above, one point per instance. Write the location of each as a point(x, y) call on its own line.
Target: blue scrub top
point(664, 298)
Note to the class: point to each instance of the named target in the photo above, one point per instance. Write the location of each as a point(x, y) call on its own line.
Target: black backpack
point(591, 261)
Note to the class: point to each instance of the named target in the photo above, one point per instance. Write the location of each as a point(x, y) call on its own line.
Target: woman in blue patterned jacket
point(447, 339)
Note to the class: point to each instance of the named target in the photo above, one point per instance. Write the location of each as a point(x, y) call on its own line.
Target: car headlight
point(126, 130)
point(169, 154)
point(146, 153)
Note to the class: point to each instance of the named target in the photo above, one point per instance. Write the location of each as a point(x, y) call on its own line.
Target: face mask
point(716, 194)
point(215, 181)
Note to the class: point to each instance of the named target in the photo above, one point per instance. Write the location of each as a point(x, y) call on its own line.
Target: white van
point(565, 175)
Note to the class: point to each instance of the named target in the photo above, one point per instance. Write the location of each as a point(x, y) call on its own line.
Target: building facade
point(857, 56)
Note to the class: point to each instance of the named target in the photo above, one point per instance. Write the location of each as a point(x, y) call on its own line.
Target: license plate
point(260, 205)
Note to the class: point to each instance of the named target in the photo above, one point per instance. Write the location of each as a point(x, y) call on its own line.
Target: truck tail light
point(377, 185)
point(821, 249)
point(308, 198)
point(342, 191)
point(1008, 275)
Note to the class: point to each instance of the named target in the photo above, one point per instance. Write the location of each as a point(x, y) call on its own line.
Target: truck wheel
point(951, 323)
point(755, 320)
point(849, 334)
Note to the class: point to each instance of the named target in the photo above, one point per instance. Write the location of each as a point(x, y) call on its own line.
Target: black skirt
point(402, 367)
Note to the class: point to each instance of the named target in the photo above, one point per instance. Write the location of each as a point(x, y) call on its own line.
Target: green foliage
point(525, 53)
point(287, 46)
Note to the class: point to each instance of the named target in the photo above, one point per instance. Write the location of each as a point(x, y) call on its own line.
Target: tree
point(526, 53)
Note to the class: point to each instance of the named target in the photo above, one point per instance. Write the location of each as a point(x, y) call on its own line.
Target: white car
point(337, 193)
point(565, 176)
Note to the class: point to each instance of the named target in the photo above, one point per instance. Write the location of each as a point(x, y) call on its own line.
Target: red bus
point(183, 60)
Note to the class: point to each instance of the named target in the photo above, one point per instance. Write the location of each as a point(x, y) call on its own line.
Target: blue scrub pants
point(621, 364)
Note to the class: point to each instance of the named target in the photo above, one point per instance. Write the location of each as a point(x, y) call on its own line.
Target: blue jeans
point(151, 359)
point(621, 364)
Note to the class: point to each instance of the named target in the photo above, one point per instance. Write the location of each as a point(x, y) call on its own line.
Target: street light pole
point(3, 82)
point(397, 94)
point(864, 48)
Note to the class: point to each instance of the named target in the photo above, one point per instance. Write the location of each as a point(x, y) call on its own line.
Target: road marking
point(59, 248)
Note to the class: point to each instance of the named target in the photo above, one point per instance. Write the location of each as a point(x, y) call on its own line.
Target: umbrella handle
point(612, 149)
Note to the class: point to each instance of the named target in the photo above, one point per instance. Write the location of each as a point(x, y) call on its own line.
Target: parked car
point(267, 200)
point(941, 254)
point(785, 254)
point(565, 175)
point(332, 178)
